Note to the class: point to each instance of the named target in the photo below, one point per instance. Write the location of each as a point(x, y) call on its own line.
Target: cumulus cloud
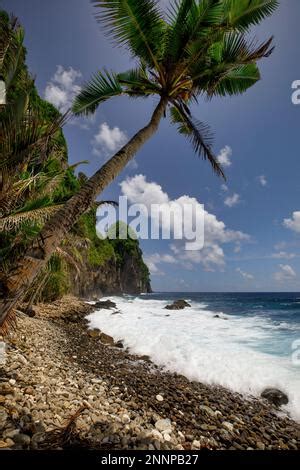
point(224, 156)
point(139, 191)
point(108, 140)
point(294, 222)
point(286, 273)
point(63, 87)
point(245, 275)
point(232, 201)
point(211, 256)
point(262, 180)
point(153, 261)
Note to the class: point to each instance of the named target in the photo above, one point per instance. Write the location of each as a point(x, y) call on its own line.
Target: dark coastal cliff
point(108, 266)
point(110, 278)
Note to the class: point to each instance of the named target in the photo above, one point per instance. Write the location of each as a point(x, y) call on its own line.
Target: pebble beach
point(63, 386)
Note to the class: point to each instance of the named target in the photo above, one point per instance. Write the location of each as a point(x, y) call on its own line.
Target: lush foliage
point(98, 251)
point(126, 245)
point(35, 179)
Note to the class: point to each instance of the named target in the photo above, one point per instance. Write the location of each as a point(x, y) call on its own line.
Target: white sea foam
point(224, 351)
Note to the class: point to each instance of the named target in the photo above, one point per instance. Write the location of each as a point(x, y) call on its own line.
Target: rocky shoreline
point(63, 387)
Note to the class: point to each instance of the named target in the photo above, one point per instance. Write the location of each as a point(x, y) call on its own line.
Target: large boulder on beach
point(107, 304)
point(106, 339)
point(178, 305)
point(94, 333)
point(275, 397)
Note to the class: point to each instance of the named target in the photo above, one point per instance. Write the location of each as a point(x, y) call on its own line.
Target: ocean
point(245, 341)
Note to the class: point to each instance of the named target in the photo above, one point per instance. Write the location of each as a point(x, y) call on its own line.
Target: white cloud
point(168, 259)
point(108, 140)
point(63, 87)
point(224, 187)
point(139, 191)
point(286, 273)
point(280, 246)
point(153, 261)
point(237, 248)
point(262, 180)
point(283, 255)
point(294, 222)
point(224, 156)
point(245, 275)
point(232, 201)
point(210, 257)
point(132, 165)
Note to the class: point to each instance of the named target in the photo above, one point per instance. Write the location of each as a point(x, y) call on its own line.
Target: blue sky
point(254, 221)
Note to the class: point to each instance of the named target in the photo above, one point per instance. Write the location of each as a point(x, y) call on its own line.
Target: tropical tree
point(35, 179)
point(200, 49)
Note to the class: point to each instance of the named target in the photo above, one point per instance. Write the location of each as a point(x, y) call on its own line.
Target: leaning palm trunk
point(30, 265)
point(202, 49)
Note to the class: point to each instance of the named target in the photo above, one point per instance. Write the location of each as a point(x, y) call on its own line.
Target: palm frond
point(11, 48)
point(29, 138)
point(231, 65)
point(16, 57)
point(100, 88)
point(77, 164)
point(68, 258)
point(199, 135)
point(191, 21)
point(12, 192)
point(179, 29)
point(136, 24)
point(241, 14)
point(235, 81)
point(137, 83)
point(15, 221)
point(235, 48)
point(226, 57)
point(5, 40)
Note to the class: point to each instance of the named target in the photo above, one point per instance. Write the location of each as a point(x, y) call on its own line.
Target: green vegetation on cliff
point(35, 180)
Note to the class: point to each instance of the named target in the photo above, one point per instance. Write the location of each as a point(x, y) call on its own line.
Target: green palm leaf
point(31, 137)
point(11, 48)
point(137, 24)
point(178, 34)
point(100, 88)
point(235, 81)
point(236, 48)
point(191, 22)
point(137, 83)
point(242, 14)
point(199, 135)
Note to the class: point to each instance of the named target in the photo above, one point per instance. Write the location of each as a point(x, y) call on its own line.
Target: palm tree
point(202, 48)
